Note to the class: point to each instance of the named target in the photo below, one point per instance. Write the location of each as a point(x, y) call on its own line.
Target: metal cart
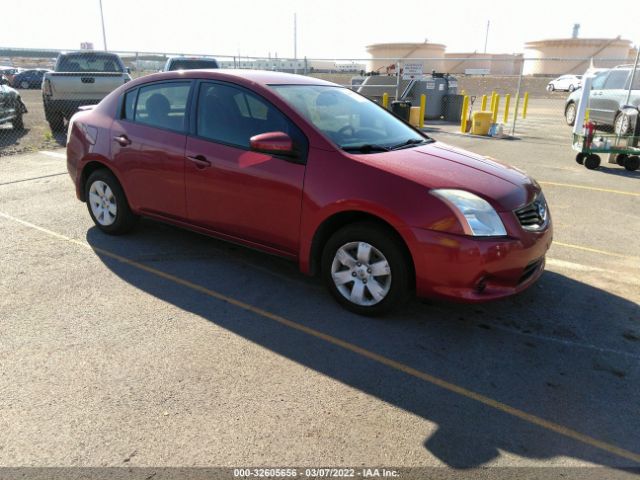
point(622, 149)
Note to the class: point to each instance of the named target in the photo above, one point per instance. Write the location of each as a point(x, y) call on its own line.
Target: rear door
point(232, 190)
point(148, 141)
point(606, 105)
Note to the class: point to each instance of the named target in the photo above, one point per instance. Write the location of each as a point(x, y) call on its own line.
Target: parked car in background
point(29, 78)
point(189, 63)
point(314, 172)
point(11, 106)
point(9, 72)
point(607, 97)
point(80, 78)
point(566, 83)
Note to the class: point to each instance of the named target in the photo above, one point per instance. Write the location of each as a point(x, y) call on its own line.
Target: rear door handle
point(200, 161)
point(123, 140)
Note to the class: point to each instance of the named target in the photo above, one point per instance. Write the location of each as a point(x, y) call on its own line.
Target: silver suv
point(608, 95)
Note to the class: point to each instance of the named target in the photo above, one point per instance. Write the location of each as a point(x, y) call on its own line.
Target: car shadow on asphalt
point(564, 351)
point(619, 171)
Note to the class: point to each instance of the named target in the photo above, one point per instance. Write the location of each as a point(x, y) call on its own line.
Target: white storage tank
point(605, 52)
point(404, 52)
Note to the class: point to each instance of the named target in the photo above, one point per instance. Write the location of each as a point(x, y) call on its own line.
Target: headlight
point(478, 218)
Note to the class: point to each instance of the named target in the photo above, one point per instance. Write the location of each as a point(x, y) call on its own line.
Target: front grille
point(529, 270)
point(534, 215)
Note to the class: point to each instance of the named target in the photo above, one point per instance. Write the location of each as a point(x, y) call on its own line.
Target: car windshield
point(350, 120)
point(84, 62)
point(192, 64)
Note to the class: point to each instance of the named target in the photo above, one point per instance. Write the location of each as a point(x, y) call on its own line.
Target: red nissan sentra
point(314, 172)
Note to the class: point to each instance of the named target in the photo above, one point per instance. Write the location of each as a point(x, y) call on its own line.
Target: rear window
point(89, 63)
point(161, 105)
point(187, 64)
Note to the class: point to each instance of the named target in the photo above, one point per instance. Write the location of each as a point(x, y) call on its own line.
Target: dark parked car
point(189, 63)
point(29, 78)
point(316, 173)
point(11, 106)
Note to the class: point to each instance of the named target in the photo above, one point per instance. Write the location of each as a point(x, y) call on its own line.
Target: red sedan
point(314, 172)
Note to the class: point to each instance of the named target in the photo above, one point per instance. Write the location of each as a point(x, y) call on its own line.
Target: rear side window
point(162, 105)
point(129, 105)
point(616, 79)
point(231, 115)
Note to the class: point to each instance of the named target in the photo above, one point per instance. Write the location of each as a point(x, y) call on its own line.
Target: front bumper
point(471, 269)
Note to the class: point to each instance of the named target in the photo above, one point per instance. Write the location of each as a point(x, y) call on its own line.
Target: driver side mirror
point(272, 143)
point(4, 81)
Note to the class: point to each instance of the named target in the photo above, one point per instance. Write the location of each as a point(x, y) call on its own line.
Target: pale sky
point(326, 28)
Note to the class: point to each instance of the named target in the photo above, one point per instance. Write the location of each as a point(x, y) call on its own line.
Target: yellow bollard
point(496, 107)
point(483, 105)
point(507, 100)
point(423, 106)
point(463, 93)
point(525, 105)
point(493, 100)
point(465, 113)
point(385, 100)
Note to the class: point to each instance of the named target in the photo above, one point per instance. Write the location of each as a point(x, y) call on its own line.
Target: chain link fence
point(529, 97)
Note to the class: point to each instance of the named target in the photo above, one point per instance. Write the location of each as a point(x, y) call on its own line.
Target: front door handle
point(200, 161)
point(123, 140)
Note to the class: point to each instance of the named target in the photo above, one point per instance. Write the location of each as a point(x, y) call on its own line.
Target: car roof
point(262, 77)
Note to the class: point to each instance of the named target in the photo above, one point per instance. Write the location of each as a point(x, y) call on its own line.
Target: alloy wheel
point(103, 203)
point(361, 273)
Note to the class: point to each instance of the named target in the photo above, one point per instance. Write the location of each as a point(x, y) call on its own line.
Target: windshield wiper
point(366, 148)
point(410, 143)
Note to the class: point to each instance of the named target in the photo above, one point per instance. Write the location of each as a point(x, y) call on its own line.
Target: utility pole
point(295, 43)
point(104, 33)
point(486, 37)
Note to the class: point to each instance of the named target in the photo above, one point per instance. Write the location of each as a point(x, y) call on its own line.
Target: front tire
point(107, 203)
point(571, 88)
point(366, 269)
point(570, 114)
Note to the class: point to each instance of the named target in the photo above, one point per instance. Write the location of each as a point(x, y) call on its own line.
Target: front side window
point(350, 120)
point(598, 81)
point(163, 105)
point(232, 115)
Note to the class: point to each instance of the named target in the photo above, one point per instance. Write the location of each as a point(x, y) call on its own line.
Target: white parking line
point(53, 154)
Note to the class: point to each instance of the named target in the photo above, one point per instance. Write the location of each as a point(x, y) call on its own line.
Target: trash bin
point(452, 108)
point(481, 122)
point(401, 109)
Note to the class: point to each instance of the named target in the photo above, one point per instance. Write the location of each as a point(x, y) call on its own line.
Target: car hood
point(438, 165)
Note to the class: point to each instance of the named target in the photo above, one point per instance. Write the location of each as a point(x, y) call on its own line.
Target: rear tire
point(580, 158)
point(55, 119)
point(621, 124)
point(366, 269)
point(107, 203)
point(621, 159)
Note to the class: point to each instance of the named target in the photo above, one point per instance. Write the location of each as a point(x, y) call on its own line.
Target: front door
point(232, 190)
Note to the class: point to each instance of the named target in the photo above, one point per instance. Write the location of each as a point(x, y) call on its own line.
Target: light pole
point(104, 33)
point(295, 43)
point(486, 37)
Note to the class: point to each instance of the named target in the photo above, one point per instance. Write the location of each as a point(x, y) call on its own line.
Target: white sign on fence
point(411, 71)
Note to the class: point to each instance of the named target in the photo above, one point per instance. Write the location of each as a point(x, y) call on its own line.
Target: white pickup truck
point(80, 78)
